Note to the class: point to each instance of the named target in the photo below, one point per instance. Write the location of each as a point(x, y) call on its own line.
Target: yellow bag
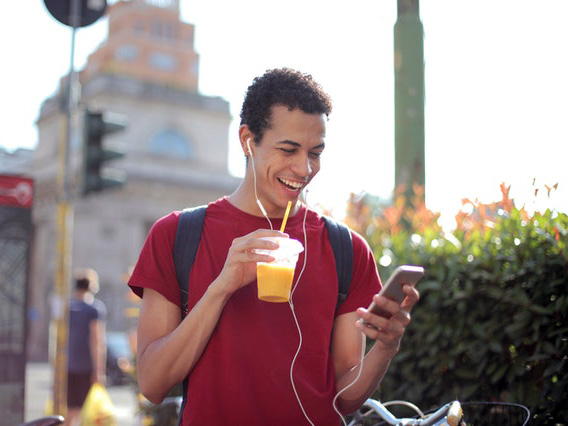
point(48, 407)
point(98, 409)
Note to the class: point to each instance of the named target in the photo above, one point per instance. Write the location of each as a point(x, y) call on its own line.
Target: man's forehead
point(281, 113)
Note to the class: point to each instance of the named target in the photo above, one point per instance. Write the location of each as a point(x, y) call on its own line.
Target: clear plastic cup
point(274, 279)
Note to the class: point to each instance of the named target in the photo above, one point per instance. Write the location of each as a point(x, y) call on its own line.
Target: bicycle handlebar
point(449, 414)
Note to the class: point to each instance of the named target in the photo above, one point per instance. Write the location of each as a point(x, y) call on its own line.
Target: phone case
point(409, 274)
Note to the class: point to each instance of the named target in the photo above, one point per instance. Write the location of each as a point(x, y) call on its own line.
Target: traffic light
point(97, 125)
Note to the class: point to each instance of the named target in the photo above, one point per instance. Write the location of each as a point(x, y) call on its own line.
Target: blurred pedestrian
point(86, 358)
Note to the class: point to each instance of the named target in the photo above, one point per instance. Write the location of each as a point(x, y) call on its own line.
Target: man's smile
point(290, 184)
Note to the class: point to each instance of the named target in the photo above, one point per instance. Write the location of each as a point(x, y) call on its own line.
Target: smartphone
point(405, 274)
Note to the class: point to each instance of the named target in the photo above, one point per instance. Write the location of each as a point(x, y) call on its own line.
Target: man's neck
point(244, 200)
point(85, 296)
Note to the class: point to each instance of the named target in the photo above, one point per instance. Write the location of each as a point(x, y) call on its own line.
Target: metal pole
point(65, 231)
point(409, 96)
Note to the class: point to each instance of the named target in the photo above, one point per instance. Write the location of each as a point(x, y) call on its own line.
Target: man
point(86, 359)
point(237, 350)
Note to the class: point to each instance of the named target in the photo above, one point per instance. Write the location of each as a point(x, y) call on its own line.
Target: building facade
point(176, 155)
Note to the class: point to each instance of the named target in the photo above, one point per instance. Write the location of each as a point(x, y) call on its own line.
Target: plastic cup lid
point(288, 247)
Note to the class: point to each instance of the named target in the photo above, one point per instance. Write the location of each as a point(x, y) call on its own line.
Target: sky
point(496, 87)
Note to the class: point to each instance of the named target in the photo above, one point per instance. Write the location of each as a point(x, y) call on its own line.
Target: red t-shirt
point(243, 376)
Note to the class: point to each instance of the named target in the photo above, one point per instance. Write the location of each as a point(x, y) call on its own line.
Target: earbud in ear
point(260, 206)
point(248, 146)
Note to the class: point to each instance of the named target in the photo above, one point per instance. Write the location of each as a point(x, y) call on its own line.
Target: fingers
point(257, 240)
point(412, 297)
point(395, 324)
point(248, 254)
point(247, 248)
point(244, 253)
point(390, 324)
point(389, 334)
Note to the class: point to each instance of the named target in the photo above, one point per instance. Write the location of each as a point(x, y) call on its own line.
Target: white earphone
point(248, 146)
point(260, 206)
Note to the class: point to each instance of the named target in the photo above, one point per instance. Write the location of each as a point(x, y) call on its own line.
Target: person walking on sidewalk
point(86, 359)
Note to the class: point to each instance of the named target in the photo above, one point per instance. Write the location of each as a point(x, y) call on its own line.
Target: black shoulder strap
point(342, 246)
point(188, 234)
point(187, 239)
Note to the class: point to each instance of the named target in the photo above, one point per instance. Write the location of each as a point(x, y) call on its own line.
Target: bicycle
point(454, 413)
point(373, 412)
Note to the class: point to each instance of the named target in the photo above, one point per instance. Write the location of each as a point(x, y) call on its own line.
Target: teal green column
point(409, 95)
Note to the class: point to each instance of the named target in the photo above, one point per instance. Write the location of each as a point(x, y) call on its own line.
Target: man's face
point(288, 156)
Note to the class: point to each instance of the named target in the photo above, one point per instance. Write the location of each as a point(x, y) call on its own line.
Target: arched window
point(170, 142)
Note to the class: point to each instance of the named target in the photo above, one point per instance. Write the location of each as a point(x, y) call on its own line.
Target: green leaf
point(542, 310)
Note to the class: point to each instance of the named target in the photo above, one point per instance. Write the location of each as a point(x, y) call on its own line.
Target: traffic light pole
point(75, 14)
point(64, 233)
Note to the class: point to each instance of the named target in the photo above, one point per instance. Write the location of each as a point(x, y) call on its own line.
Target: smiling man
point(242, 355)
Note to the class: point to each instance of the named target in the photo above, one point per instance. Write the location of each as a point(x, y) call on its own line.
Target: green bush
point(491, 324)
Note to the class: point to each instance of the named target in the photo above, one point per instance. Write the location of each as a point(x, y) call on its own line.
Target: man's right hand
point(240, 266)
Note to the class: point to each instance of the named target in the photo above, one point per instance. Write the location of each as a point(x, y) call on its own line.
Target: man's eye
point(315, 154)
point(288, 151)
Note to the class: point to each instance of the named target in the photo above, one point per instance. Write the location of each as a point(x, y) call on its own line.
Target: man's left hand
point(388, 332)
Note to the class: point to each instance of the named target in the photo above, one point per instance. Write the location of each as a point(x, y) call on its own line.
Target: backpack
point(188, 235)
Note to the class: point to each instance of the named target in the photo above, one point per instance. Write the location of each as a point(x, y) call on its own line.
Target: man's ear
point(246, 138)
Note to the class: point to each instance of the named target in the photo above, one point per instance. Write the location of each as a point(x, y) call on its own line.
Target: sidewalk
point(39, 381)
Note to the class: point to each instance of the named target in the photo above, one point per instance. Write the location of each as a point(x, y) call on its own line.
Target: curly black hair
point(281, 86)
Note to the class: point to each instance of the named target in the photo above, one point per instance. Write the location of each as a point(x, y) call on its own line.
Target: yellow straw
point(286, 216)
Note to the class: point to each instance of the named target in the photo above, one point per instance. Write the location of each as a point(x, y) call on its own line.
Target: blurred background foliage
point(491, 324)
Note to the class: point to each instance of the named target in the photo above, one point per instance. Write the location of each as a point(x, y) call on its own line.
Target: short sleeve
point(155, 266)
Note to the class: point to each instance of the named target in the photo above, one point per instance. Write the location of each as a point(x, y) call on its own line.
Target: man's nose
point(303, 166)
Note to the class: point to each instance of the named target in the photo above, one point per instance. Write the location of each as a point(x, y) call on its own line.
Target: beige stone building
point(176, 146)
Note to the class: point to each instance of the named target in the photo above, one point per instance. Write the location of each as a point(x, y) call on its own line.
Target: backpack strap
point(342, 246)
point(188, 234)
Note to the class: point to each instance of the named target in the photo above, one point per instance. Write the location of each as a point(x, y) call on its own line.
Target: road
point(39, 381)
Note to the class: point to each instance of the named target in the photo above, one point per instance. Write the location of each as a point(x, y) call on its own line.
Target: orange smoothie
point(274, 282)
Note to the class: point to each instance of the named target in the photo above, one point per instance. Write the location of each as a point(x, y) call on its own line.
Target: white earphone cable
point(260, 206)
point(360, 369)
point(291, 303)
point(294, 287)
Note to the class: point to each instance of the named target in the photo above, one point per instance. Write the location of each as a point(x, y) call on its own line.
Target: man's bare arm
point(98, 350)
point(347, 346)
point(168, 348)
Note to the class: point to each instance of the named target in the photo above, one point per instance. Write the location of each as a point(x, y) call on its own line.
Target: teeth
point(291, 184)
